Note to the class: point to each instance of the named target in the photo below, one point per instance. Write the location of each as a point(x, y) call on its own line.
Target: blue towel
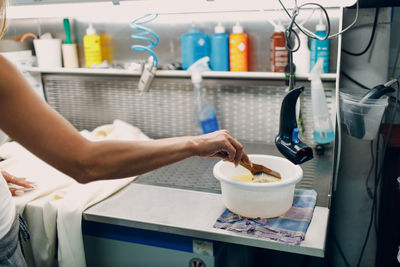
point(289, 228)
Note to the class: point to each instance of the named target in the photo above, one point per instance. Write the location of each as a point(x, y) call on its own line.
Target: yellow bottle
point(106, 48)
point(238, 49)
point(92, 47)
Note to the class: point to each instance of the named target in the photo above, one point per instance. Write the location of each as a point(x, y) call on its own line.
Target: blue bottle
point(194, 45)
point(320, 49)
point(220, 49)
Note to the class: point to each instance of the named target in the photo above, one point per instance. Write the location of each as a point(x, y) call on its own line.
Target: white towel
point(58, 202)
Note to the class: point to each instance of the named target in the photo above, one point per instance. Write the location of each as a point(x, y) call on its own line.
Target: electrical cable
point(378, 175)
point(310, 33)
point(370, 39)
point(137, 24)
point(369, 190)
point(354, 81)
point(340, 250)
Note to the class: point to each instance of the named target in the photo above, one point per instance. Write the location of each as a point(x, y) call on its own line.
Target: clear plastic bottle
point(205, 112)
point(323, 128)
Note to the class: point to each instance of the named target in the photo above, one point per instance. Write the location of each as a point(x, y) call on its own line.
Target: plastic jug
point(194, 45)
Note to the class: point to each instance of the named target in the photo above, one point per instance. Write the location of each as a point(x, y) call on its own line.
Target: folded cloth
point(289, 228)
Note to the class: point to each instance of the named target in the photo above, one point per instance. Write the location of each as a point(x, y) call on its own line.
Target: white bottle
point(323, 128)
point(301, 58)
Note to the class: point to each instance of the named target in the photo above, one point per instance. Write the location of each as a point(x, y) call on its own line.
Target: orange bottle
point(238, 49)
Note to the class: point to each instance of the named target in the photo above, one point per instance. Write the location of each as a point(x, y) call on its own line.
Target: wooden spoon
point(258, 169)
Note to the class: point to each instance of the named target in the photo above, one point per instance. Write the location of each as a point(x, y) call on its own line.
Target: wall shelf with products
point(179, 73)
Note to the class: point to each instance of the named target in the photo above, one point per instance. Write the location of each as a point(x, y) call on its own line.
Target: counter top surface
point(192, 213)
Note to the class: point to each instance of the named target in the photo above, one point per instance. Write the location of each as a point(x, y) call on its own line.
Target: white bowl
point(264, 200)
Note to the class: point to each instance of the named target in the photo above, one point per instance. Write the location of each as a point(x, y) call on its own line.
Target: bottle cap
point(237, 28)
point(193, 29)
point(90, 29)
point(278, 27)
point(320, 26)
point(219, 28)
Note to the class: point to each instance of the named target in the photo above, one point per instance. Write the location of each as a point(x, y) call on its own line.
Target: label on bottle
point(279, 52)
point(210, 124)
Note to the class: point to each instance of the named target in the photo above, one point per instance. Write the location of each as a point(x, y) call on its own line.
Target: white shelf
point(179, 73)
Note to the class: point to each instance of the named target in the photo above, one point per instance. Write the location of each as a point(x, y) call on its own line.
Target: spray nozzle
point(197, 68)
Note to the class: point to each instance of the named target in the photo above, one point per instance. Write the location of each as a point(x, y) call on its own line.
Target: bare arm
point(26, 118)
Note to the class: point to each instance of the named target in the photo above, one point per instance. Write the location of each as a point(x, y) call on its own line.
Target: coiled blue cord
point(144, 35)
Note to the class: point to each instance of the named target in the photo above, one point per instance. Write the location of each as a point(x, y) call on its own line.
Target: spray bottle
point(205, 113)
point(323, 129)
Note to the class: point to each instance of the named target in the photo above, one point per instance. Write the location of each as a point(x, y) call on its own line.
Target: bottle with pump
point(302, 56)
point(92, 47)
point(205, 113)
point(238, 49)
point(320, 49)
point(323, 129)
point(279, 52)
point(194, 45)
point(220, 49)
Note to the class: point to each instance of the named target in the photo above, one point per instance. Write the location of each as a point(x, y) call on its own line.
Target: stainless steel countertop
point(192, 213)
point(184, 198)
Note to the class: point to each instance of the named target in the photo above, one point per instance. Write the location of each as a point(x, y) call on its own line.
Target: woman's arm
point(26, 118)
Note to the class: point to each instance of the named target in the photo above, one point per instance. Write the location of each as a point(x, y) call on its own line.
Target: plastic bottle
point(279, 52)
point(194, 45)
point(238, 49)
point(220, 49)
point(106, 48)
point(69, 50)
point(205, 113)
point(323, 129)
point(302, 56)
point(92, 47)
point(320, 49)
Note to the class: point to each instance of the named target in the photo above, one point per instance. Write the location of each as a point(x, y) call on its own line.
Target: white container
point(70, 55)
point(264, 200)
point(48, 52)
point(361, 120)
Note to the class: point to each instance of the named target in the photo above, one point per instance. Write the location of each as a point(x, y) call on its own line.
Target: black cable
point(354, 81)
point(340, 250)
point(378, 175)
point(369, 190)
point(370, 39)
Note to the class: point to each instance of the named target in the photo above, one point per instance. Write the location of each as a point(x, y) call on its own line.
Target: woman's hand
point(12, 180)
point(220, 144)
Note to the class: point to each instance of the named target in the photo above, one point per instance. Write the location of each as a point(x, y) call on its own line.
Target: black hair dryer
point(287, 140)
